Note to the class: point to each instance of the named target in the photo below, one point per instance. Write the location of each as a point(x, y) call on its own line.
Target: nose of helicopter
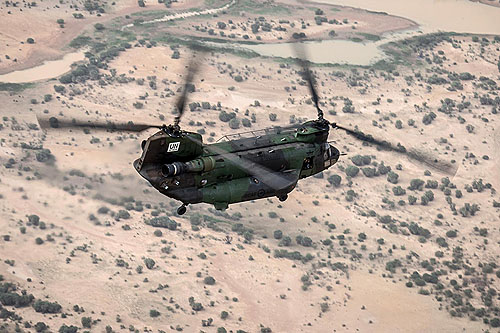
point(334, 154)
point(138, 167)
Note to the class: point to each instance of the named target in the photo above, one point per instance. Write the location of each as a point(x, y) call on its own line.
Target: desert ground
point(396, 246)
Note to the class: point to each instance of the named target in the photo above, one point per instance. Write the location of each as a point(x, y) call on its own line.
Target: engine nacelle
point(202, 164)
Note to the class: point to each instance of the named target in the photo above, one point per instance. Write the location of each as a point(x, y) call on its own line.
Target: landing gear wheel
point(181, 210)
point(283, 197)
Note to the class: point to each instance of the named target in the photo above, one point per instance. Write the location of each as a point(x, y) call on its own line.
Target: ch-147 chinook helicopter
point(238, 167)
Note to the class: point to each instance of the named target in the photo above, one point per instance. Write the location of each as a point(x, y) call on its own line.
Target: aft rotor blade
point(56, 123)
point(274, 179)
point(188, 87)
point(426, 159)
point(308, 76)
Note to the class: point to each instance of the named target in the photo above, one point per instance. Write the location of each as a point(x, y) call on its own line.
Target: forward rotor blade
point(426, 159)
point(276, 180)
point(188, 87)
point(308, 76)
point(55, 123)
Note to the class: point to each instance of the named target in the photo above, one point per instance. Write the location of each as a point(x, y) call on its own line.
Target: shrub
point(40, 326)
point(150, 263)
point(369, 172)
point(392, 177)
point(398, 190)
point(441, 242)
point(352, 171)
point(225, 117)
point(99, 26)
point(162, 222)
point(234, 123)
point(154, 313)
point(30, 40)
point(46, 307)
point(209, 280)
point(431, 184)
point(451, 234)
point(416, 184)
point(278, 234)
point(224, 315)
point(87, 322)
point(286, 241)
point(68, 329)
point(335, 180)
point(383, 169)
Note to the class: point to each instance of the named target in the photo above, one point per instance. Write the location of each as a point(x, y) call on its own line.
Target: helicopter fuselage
point(180, 166)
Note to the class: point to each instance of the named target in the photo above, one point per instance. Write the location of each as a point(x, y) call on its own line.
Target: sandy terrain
point(87, 256)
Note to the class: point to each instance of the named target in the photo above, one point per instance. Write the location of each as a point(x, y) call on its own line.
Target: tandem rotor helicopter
point(238, 167)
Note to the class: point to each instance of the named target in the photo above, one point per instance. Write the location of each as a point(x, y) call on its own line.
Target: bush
point(40, 326)
point(46, 307)
point(99, 26)
point(369, 172)
point(234, 123)
point(278, 234)
point(68, 329)
point(30, 40)
point(335, 180)
point(224, 315)
point(451, 234)
point(154, 313)
point(431, 184)
point(163, 222)
point(383, 169)
point(416, 184)
point(225, 117)
point(209, 280)
point(352, 171)
point(150, 263)
point(286, 241)
point(87, 322)
point(392, 177)
point(398, 190)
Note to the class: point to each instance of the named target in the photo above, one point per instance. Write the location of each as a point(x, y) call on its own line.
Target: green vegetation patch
point(15, 87)
point(368, 36)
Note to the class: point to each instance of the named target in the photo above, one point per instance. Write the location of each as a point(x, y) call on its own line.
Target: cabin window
point(308, 164)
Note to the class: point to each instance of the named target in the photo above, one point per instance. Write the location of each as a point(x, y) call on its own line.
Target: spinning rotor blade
point(276, 180)
point(55, 123)
point(308, 76)
point(188, 87)
point(426, 159)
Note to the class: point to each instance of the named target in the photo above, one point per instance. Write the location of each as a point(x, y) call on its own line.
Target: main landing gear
point(182, 209)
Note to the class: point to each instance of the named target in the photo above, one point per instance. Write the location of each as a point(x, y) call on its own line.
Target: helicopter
point(238, 167)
